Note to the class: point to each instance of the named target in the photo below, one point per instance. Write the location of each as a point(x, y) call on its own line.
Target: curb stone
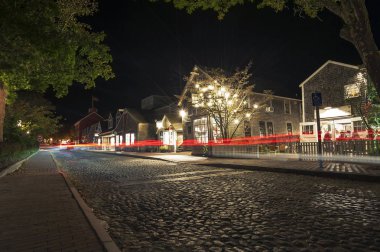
point(16, 166)
point(333, 175)
point(95, 223)
point(326, 174)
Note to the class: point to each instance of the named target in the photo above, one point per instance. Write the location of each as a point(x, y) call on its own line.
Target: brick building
point(86, 128)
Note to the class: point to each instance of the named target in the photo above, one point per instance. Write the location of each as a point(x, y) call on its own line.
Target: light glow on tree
point(225, 99)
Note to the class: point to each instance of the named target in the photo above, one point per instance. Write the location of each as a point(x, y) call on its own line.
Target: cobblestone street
point(153, 205)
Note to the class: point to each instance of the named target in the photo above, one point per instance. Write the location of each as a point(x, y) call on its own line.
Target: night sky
point(155, 45)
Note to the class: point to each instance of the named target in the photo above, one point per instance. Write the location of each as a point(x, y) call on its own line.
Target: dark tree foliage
point(43, 43)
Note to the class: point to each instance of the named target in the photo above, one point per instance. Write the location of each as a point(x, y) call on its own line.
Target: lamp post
point(317, 102)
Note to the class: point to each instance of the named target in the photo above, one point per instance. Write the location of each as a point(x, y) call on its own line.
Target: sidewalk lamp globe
point(182, 113)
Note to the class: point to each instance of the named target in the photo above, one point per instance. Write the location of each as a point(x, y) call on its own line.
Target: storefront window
point(200, 130)
point(129, 138)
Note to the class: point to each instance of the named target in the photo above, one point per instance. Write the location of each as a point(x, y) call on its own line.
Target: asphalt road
point(153, 205)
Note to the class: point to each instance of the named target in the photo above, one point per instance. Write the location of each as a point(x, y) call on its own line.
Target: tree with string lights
point(225, 99)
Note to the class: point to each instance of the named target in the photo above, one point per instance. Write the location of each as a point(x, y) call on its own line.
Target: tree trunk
point(3, 96)
point(357, 30)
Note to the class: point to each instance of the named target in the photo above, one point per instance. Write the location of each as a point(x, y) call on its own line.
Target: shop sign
point(351, 91)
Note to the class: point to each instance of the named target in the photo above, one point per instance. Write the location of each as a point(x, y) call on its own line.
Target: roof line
point(87, 116)
point(277, 96)
point(324, 65)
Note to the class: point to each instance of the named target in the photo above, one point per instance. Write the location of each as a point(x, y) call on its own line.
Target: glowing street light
point(182, 113)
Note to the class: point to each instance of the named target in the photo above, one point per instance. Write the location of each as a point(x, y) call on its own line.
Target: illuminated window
point(359, 126)
point(129, 138)
point(200, 130)
point(166, 138)
point(216, 133)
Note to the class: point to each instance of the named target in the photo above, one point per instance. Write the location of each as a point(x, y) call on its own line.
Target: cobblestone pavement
point(153, 205)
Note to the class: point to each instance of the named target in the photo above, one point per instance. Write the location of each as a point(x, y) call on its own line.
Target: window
point(270, 107)
point(129, 138)
point(270, 128)
point(247, 129)
point(200, 130)
point(287, 109)
point(308, 129)
point(289, 128)
point(262, 128)
point(216, 133)
point(166, 138)
point(359, 126)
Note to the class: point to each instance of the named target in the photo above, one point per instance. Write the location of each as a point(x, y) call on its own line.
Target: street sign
point(316, 99)
point(39, 138)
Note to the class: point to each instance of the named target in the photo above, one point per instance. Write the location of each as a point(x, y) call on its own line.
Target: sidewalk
point(39, 213)
point(360, 171)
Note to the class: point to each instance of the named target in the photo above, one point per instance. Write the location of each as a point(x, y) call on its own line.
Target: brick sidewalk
point(39, 213)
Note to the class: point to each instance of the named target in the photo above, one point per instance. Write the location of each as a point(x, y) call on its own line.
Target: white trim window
point(359, 126)
point(289, 128)
point(129, 138)
point(262, 129)
point(307, 129)
point(287, 107)
point(200, 130)
point(270, 128)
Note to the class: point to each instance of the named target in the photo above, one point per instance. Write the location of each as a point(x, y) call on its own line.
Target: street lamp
point(182, 113)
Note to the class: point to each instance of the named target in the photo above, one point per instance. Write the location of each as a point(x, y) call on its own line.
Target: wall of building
point(146, 131)
point(279, 117)
point(330, 81)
